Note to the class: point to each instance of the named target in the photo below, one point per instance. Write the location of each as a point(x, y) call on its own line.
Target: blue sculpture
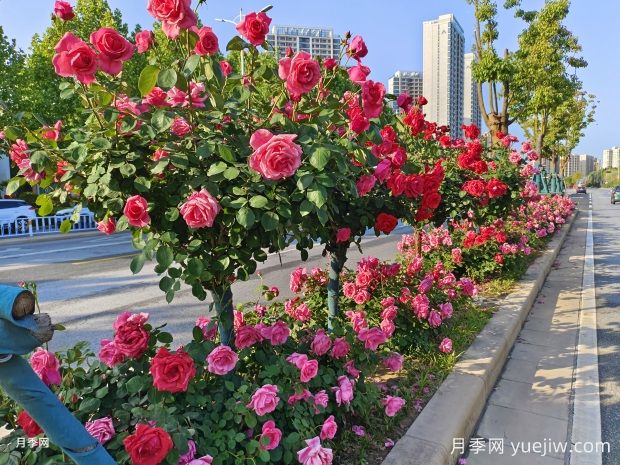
point(20, 333)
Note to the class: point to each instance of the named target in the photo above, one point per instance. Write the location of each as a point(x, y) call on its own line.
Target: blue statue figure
point(20, 333)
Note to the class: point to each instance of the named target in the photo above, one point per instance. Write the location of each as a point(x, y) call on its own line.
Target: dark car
point(615, 195)
point(581, 188)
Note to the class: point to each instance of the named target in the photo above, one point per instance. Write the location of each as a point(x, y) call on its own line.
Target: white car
point(14, 215)
point(66, 213)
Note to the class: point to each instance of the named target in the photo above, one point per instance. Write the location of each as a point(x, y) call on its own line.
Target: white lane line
point(587, 408)
point(65, 249)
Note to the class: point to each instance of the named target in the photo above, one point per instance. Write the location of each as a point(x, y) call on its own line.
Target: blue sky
point(392, 30)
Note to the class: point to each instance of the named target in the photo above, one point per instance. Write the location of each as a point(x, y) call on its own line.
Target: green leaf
point(166, 283)
point(161, 121)
point(65, 226)
point(317, 195)
point(164, 256)
point(137, 263)
point(226, 153)
point(231, 173)
point(190, 65)
point(270, 221)
point(135, 384)
point(195, 266)
point(246, 217)
point(45, 204)
point(236, 44)
point(101, 143)
point(127, 170)
point(305, 181)
point(13, 185)
point(89, 405)
point(166, 338)
point(306, 208)
point(217, 168)
point(167, 78)
point(258, 201)
point(319, 157)
point(142, 184)
point(148, 79)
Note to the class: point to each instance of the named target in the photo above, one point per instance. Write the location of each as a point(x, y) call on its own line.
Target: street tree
point(12, 61)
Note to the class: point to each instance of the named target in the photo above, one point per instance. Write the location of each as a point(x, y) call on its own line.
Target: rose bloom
point(107, 226)
point(109, 354)
point(200, 209)
point(207, 41)
point(113, 49)
point(341, 348)
point(434, 319)
point(344, 391)
point(264, 400)
point(446, 310)
point(343, 234)
point(301, 73)
point(254, 27)
point(446, 345)
point(362, 296)
point(329, 428)
point(392, 405)
point(173, 14)
point(30, 427)
point(330, 63)
point(275, 156)
point(358, 123)
point(172, 372)
point(74, 58)
point(496, 188)
point(279, 333)
point(270, 437)
point(222, 360)
point(372, 338)
point(148, 445)
point(321, 398)
point(308, 370)
point(394, 361)
point(46, 366)
point(53, 133)
point(144, 40)
point(372, 98)
point(131, 338)
point(226, 68)
point(315, 454)
point(156, 97)
point(136, 211)
point(101, 429)
point(357, 48)
point(189, 455)
point(358, 73)
point(180, 127)
point(206, 460)
point(246, 336)
point(209, 329)
point(321, 343)
point(475, 187)
point(404, 101)
point(63, 10)
point(364, 184)
point(385, 223)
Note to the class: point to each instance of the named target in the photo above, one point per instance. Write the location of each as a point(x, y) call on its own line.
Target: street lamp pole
point(234, 22)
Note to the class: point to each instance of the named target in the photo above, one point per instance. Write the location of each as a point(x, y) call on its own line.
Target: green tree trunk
point(223, 303)
point(338, 259)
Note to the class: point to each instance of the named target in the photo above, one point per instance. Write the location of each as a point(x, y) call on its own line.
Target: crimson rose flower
point(172, 372)
point(63, 10)
point(496, 188)
point(136, 211)
point(30, 427)
point(207, 41)
point(254, 27)
point(386, 223)
point(148, 445)
point(475, 187)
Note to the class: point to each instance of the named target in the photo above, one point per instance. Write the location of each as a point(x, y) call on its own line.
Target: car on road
point(615, 195)
point(581, 188)
point(15, 214)
point(66, 213)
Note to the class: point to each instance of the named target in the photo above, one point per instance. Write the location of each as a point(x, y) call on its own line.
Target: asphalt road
point(85, 282)
point(606, 231)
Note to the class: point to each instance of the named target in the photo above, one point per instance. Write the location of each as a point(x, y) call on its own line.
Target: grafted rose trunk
point(338, 258)
point(223, 303)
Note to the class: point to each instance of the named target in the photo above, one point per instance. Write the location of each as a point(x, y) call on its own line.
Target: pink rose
point(298, 278)
point(264, 400)
point(388, 327)
point(362, 296)
point(299, 396)
point(207, 41)
point(389, 313)
point(394, 361)
point(330, 63)
point(173, 14)
point(74, 58)
point(180, 127)
point(301, 73)
point(109, 354)
point(209, 329)
point(46, 366)
point(200, 209)
point(344, 391)
point(372, 98)
point(349, 290)
point(131, 337)
point(136, 211)
point(107, 226)
point(309, 370)
point(446, 310)
point(343, 234)
point(279, 333)
point(445, 345)
point(321, 343)
point(434, 319)
point(206, 460)
point(372, 338)
point(222, 360)
point(297, 359)
point(63, 10)
point(52, 133)
point(315, 454)
point(101, 429)
point(270, 437)
point(144, 40)
point(358, 123)
point(341, 348)
point(275, 156)
point(321, 398)
point(350, 367)
point(357, 48)
point(156, 97)
point(247, 336)
point(383, 170)
point(404, 101)
point(254, 27)
point(189, 455)
point(329, 428)
point(392, 405)
point(358, 73)
point(364, 184)
point(226, 68)
point(113, 49)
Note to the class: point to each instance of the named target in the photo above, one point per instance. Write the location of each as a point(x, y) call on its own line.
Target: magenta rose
point(113, 49)
point(131, 337)
point(372, 338)
point(279, 333)
point(180, 127)
point(226, 68)
point(358, 73)
point(270, 437)
point(206, 460)
point(357, 48)
point(254, 27)
point(404, 101)
point(101, 429)
point(446, 345)
point(372, 98)
point(264, 400)
point(315, 454)
point(136, 211)
point(107, 226)
point(308, 371)
point(173, 14)
point(74, 58)
point(246, 336)
point(364, 184)
point(330, 63)
point(63, 10)
point(329, 428)
point(144, 40)
point(394, 361)
point(341, 348)
point(343, 234)
point(209, 328)
point(222, 360)
point(46, 366)
point(321, 343)
point(275, 156)
point(172, 372)
point(301, 73)
point(200, 209)
point(207, 41)
point(109, 354)
point(392, 405)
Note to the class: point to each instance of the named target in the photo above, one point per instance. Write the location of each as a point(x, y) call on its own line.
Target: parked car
point(14, 214)
point(581, 188)
point(66, 213)
point(615, 195)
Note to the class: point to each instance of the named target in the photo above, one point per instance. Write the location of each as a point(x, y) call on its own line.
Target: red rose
point(358, 123)
point(472, 131)
point(173, 14)
point(357, 48)
point(330, 63)
point(372, 98)
point(148, 446)
point(30, 427)
point(172, 372)
point(475, 187)
point(431, 200)
point(136, 211)
point(63, 10)
point(496, 188)
point(113, 48)
point(385, 223)
point(207, 41)
point(254, 27)
point(108, 226)
point(131, 338)
point(74, 58)
point(422, 100)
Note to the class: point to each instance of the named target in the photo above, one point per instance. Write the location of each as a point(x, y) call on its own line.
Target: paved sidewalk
point(531, 401)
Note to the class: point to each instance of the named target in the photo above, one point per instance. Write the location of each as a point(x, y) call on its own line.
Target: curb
point(454, 410)
point(49, 237)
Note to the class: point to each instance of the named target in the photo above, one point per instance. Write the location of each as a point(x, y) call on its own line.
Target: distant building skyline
point(471, 108)
point(611, 158)
point(317, 41)
point(405, 81)
point(583, 164)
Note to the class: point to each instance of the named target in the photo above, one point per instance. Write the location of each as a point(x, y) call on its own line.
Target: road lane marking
point(586, 406)
point(85, 261)
point(65, 249)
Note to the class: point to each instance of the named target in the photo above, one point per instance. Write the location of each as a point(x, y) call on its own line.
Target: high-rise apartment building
point(405, 81)
point(443, 69)
point(611, 158)
point(316, 41)
point(583, 164)
point(471, 108)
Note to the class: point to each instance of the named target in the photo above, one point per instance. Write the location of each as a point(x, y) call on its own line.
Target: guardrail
point(44, 225)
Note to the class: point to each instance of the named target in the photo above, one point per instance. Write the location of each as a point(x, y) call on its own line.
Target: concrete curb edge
point(455, 408)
